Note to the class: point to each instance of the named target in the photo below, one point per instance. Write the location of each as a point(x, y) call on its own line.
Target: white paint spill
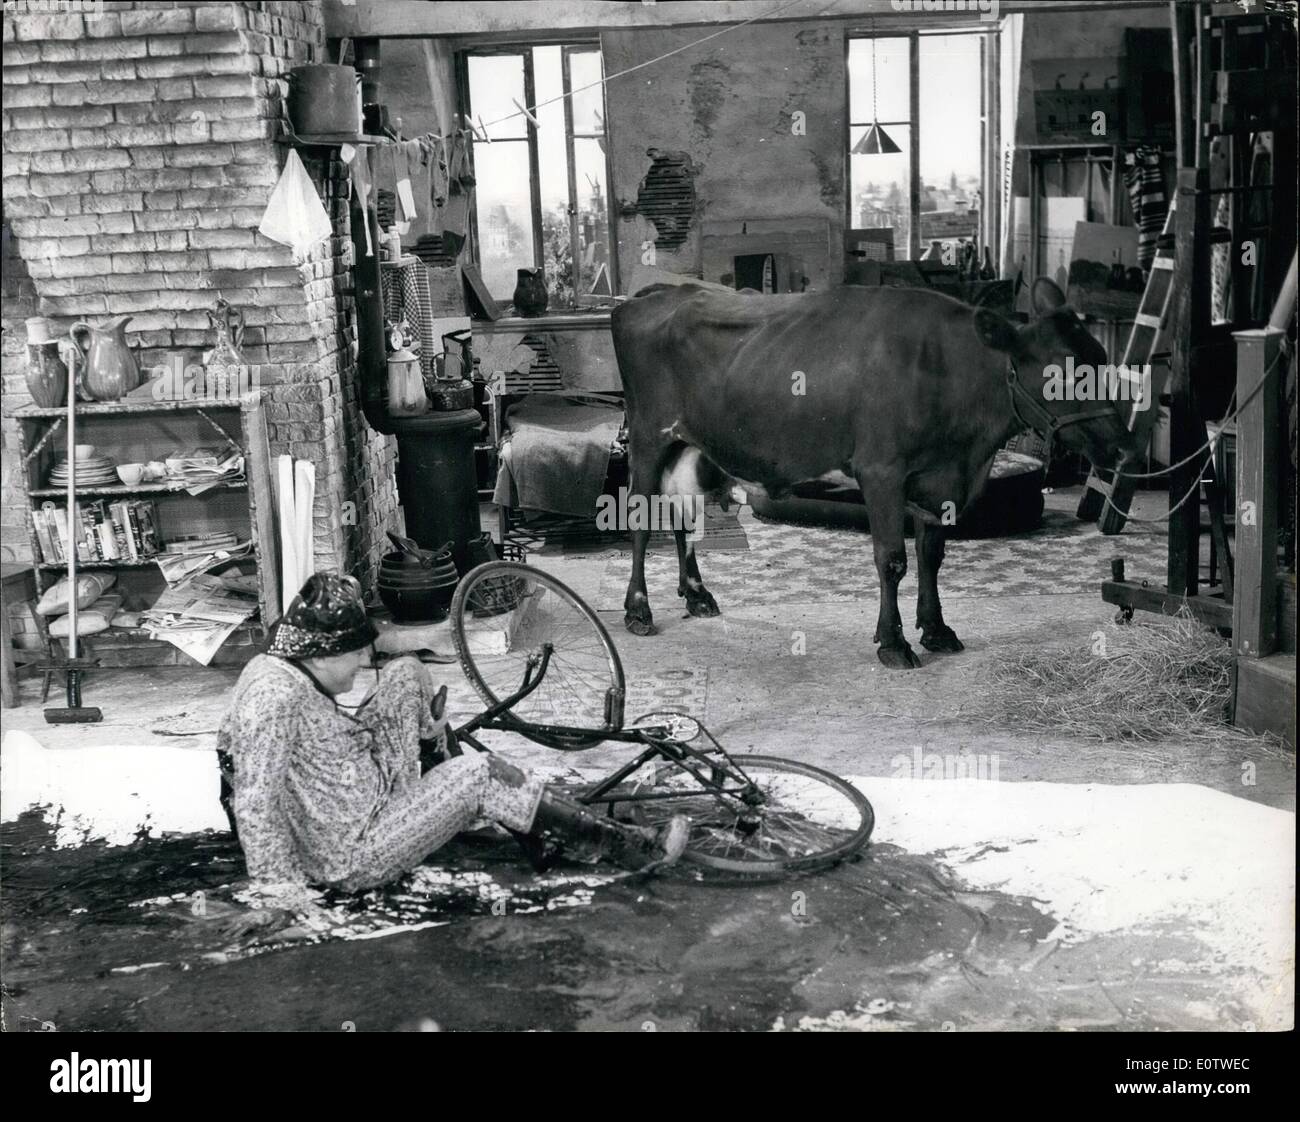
point(1170, 857)
point(1098, 858)
point(111, 792)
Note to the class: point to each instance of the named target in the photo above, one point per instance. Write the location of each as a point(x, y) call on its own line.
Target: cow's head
point(1091, 416)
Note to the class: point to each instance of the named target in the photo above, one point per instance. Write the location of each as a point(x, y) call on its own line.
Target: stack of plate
point(93, 471)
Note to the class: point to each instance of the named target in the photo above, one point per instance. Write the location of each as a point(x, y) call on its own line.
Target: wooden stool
point(18, 582)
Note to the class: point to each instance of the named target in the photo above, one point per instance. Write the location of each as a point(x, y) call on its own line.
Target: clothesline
point(479, 130)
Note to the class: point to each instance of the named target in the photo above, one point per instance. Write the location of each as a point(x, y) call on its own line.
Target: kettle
point(406, 396)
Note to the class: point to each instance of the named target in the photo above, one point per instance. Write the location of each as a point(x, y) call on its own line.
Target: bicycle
point(551, 674)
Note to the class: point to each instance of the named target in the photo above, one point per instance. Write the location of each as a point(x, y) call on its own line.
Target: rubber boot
point(563, 825)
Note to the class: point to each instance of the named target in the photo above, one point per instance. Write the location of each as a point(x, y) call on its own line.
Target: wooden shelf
point(126, 563)
point(121, 408)
point(245, 511)
point(119, 564)
point(140, 489)
point(332, 140)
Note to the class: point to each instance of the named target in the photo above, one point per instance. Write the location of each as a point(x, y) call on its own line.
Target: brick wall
point(139, 153)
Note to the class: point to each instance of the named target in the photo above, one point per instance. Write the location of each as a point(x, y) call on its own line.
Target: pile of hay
point(1157, 678)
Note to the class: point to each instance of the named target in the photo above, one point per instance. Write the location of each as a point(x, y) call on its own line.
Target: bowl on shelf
point(131, 474)
point(84, 451)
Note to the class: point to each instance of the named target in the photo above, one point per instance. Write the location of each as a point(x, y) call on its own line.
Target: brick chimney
point(140, 149)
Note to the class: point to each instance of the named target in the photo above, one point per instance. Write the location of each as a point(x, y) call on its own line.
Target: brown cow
point(906, 391)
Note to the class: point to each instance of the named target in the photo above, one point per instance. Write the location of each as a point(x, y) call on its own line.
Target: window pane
point(548, 80)
point(505, 216)
point(593, 214)
point(892, 77)
point(493, 81)
point(588, 104)
point(880, 186)
point(951, 172)
point(553, 165)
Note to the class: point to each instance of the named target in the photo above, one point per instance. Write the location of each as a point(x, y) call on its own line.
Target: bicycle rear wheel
point(808, 819)
point(504, 617)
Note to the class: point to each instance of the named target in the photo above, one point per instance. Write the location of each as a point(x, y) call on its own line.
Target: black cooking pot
point(323, 99)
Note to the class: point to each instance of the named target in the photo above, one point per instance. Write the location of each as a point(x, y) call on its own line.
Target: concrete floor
point(925, 932)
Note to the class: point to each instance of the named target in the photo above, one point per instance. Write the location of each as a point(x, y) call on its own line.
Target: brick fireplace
point(140, 148)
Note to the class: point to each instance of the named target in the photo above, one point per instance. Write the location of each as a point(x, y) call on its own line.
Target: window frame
point(989, 60)
point(524, 50)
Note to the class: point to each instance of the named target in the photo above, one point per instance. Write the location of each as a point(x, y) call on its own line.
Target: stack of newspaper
point(204, 468)
point(184, 558)
point(202, 615)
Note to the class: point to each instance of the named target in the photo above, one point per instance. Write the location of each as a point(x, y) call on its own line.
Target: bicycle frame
point(691, 760)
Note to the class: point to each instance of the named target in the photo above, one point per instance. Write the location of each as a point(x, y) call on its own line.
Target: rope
point(1192, 490)
point(1231, 415)
point(530, 109)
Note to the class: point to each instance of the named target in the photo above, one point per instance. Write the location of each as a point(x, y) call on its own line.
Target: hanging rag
point(418, 157)
point(294, 214)
point(1145, 181)
point(360, 175)
point(453, 216)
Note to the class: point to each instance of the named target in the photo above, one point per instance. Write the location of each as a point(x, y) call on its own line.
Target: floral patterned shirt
point(308, 776)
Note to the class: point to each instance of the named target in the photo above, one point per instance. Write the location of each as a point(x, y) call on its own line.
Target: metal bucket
point(324, 98)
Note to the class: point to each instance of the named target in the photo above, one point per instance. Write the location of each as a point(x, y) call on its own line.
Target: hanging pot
point(109, 369)
point(324, 98)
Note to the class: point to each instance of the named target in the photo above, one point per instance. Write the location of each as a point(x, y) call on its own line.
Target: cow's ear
point(1046, 296)
point(996, 332)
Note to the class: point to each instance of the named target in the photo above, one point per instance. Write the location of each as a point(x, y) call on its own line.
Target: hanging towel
point(294, 215)
point(1145, 181)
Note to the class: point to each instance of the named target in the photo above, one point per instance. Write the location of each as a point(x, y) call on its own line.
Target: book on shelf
point(150, 540)
point(42, 530)
point(120, 512)
point(106, 539)
point(60, 520)
point(118, 531)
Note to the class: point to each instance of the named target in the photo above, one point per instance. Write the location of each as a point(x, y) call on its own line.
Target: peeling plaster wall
point(728, 105)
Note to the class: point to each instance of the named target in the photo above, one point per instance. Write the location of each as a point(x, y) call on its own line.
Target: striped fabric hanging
point(1146, 190)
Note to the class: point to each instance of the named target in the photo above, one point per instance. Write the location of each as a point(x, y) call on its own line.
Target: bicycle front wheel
point(800, 819)
point(509, 619)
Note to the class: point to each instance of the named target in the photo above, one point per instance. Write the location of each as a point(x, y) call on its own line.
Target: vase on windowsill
point(530, 292)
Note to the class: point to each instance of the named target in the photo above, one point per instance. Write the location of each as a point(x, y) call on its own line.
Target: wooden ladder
point(1142, 350)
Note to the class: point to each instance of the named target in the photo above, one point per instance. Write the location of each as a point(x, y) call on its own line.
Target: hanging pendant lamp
point(875, 141)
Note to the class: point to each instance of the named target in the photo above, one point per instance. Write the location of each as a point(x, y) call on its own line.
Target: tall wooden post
point(1189, 313)
point(1254, 609)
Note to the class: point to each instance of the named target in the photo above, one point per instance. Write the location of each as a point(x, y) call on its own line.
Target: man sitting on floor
point(326, 797)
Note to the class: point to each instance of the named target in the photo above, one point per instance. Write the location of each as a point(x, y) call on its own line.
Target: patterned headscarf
point(328, 617)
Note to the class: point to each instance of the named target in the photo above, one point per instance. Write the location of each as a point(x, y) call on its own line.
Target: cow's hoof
point(700, 602)
point(639, 624)
point(898, 658)
point(942, 639)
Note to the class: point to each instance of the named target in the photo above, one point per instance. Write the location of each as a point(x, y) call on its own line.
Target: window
point(946, 162)
point(542, 194)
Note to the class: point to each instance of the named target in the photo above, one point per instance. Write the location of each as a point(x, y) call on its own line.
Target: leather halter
point(1050, 423)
